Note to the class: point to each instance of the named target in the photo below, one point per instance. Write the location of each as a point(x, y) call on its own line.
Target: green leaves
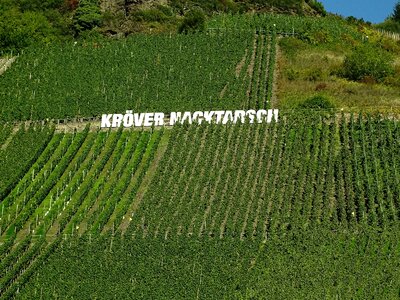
point(194, 21)
point(87, 16)
point(159, 73)
point(396, 12)
point(368, 63)
point(21, 29)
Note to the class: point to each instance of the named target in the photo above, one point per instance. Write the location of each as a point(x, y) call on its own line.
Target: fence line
point(257, 30)
point(393, 35)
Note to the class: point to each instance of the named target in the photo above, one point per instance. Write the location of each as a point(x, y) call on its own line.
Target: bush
point(394, 80)
point(317, 102)
point(39, 5)
point(367, 61)
point(396, 12)
point(150, 15)
point(194, 20)
point(87, 16)
point(318, 37)
point(21, 29)
point(166, 10)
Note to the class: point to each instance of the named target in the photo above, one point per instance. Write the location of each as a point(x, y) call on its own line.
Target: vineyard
point(304, 207)
point(145, 73)
point(315, 30)
point(176, 194)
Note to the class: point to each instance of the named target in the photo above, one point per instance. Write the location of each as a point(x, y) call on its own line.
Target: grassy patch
point(307, 71)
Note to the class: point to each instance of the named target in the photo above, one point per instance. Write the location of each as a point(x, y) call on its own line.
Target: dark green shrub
point(166, 10)
point(21, 29)
point(317, 102)
point(367, 61)
point(150, 15)
point(87, 16)
point(39, 5)
point(193, 21)
point(396, 12)
point(394, 80)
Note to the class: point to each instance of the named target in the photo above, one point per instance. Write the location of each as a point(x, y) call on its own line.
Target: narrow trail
point(9, 138)
point(277, 74)
point(5, 63)
point(144, 185)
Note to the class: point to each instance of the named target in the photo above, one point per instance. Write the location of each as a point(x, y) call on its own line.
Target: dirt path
point(6, 63)
point(240, 65)
point(162, 147)
point(274, 97)
point(10, 137)
point(250, 71)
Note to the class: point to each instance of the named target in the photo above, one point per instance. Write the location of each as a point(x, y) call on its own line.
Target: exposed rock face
point(115, 6)
point(120, 14)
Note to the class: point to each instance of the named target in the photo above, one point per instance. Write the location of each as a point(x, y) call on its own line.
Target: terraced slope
point(82, 182)
point(250, 181)
point(205, 71)
point(168, 198)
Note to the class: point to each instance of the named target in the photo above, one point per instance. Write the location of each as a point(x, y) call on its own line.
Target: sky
point(375, 11)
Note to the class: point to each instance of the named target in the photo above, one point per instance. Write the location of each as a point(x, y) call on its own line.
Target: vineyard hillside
point(181, 192)
point(306, 206)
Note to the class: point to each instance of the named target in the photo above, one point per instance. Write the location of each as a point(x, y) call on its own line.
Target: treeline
point(392, 23)
point(26, 22)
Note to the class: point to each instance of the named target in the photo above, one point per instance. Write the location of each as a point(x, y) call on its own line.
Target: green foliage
point(317, 102)
point(368, 61)
point(39, 5)
point(87, 16)
point(21, 29)
point(26, 22)
point(311, 265)
point(329, 30)
point(295, 5)
point(194, 21)
point(23, 150)
point(317, 6)
point(292, 45)
point(396, 12)
point(208, 6)
point(62, 25)
point(390, 25)
point(205, 210)
point(318, 37)
point(150, 15)
point(171, 73)
point(394, 80)
point(358, 21)
point(166, 10)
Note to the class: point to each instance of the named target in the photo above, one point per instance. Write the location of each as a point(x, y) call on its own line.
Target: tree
point(396, 12)
point(21, 29)
point(87, 15)
point(193, 21)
